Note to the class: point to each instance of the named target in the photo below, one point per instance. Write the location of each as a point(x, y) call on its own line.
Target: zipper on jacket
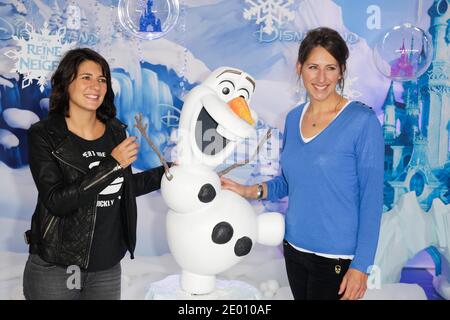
point(117, 167)
point(48, 226)
point(69, 164)
point(92, 234)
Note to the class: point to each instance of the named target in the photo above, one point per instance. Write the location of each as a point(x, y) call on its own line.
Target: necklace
point(335, 111)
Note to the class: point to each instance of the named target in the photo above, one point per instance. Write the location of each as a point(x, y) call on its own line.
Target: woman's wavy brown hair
point(67, 71)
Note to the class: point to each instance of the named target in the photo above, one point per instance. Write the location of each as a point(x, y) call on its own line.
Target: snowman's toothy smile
point(207, 135)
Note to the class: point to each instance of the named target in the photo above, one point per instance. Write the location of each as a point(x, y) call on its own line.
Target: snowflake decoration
point(269, 12)
point(38, 54)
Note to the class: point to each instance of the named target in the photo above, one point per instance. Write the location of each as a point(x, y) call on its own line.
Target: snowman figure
point(209, 229)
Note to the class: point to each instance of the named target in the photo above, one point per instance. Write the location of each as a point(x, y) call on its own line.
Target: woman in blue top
point(332, 171)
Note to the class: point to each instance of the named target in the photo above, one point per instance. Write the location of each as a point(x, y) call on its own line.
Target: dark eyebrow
point(90, 74)
point(316, 64)
point(252, 82)
point(238, 72)
point(230, 71)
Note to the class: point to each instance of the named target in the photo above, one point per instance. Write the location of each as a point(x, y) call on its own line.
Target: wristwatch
point(260, 191)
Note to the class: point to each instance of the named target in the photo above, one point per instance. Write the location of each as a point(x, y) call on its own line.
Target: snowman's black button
point(222, 233)
point(243, 246)
point(207, 193)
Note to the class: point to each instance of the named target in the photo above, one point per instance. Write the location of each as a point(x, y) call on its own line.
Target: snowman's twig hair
point(243, 163)
point(143, 130)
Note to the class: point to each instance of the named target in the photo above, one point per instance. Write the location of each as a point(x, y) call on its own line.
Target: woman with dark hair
point(332, 171)
point(80, 157)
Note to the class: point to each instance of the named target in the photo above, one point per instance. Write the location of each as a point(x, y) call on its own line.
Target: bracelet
point(260, 191)
point(118, 167)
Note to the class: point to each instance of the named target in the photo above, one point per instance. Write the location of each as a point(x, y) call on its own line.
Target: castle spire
point(390, 97)
point(390, 118)
point(403, 56)
point(411, 50)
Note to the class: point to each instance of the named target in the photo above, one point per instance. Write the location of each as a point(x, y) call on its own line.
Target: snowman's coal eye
point(244, 93)
point(225, 89)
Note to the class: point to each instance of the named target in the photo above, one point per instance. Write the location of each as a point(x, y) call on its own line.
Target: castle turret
point(435, 87)
point(411, 98)
point(389, 126)
point(439, 13)
point(417, 176)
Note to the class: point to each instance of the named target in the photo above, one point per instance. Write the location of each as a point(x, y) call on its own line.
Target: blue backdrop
point(153, 77)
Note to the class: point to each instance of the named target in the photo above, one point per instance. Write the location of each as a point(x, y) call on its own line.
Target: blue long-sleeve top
point(334, 184)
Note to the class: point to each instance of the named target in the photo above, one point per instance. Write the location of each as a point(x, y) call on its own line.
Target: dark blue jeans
point(312, 277)
point(45, 281)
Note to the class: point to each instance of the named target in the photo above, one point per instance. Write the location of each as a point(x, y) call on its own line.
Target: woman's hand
point(353, 285)
point(126, 152)
point(245, 191)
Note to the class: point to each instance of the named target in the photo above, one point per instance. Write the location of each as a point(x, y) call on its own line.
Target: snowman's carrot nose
point(240, 107)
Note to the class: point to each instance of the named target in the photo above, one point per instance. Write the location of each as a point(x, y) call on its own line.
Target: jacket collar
point(67, 148)
point(57, 127)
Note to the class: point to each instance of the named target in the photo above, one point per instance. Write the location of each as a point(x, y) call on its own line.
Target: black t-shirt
point(108, 245)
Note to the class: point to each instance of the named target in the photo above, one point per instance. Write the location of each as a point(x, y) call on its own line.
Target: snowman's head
point(215, 116)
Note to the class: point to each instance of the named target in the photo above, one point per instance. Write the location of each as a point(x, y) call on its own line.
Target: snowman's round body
point(211, 240)
point(209, 229)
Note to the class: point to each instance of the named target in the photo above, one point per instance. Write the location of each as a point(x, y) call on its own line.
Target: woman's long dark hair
point(331, 41)
point(67, 71)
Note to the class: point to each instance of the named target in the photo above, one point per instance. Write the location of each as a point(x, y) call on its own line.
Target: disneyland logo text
point(286, 35)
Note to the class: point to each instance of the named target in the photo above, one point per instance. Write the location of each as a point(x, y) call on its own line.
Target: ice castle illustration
point(403, 66)
point(148, 19)
point(416, 131)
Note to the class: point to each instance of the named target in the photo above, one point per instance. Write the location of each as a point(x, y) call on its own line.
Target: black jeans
point(46, 281)
point(312, 277)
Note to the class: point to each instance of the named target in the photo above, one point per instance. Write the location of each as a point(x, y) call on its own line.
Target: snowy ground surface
point(263, 269)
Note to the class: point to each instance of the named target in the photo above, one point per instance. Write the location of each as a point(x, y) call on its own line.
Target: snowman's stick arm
point(143, 130)
point(243, 163)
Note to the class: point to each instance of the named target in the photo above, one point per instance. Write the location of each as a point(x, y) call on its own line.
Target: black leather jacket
point(62, 226)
